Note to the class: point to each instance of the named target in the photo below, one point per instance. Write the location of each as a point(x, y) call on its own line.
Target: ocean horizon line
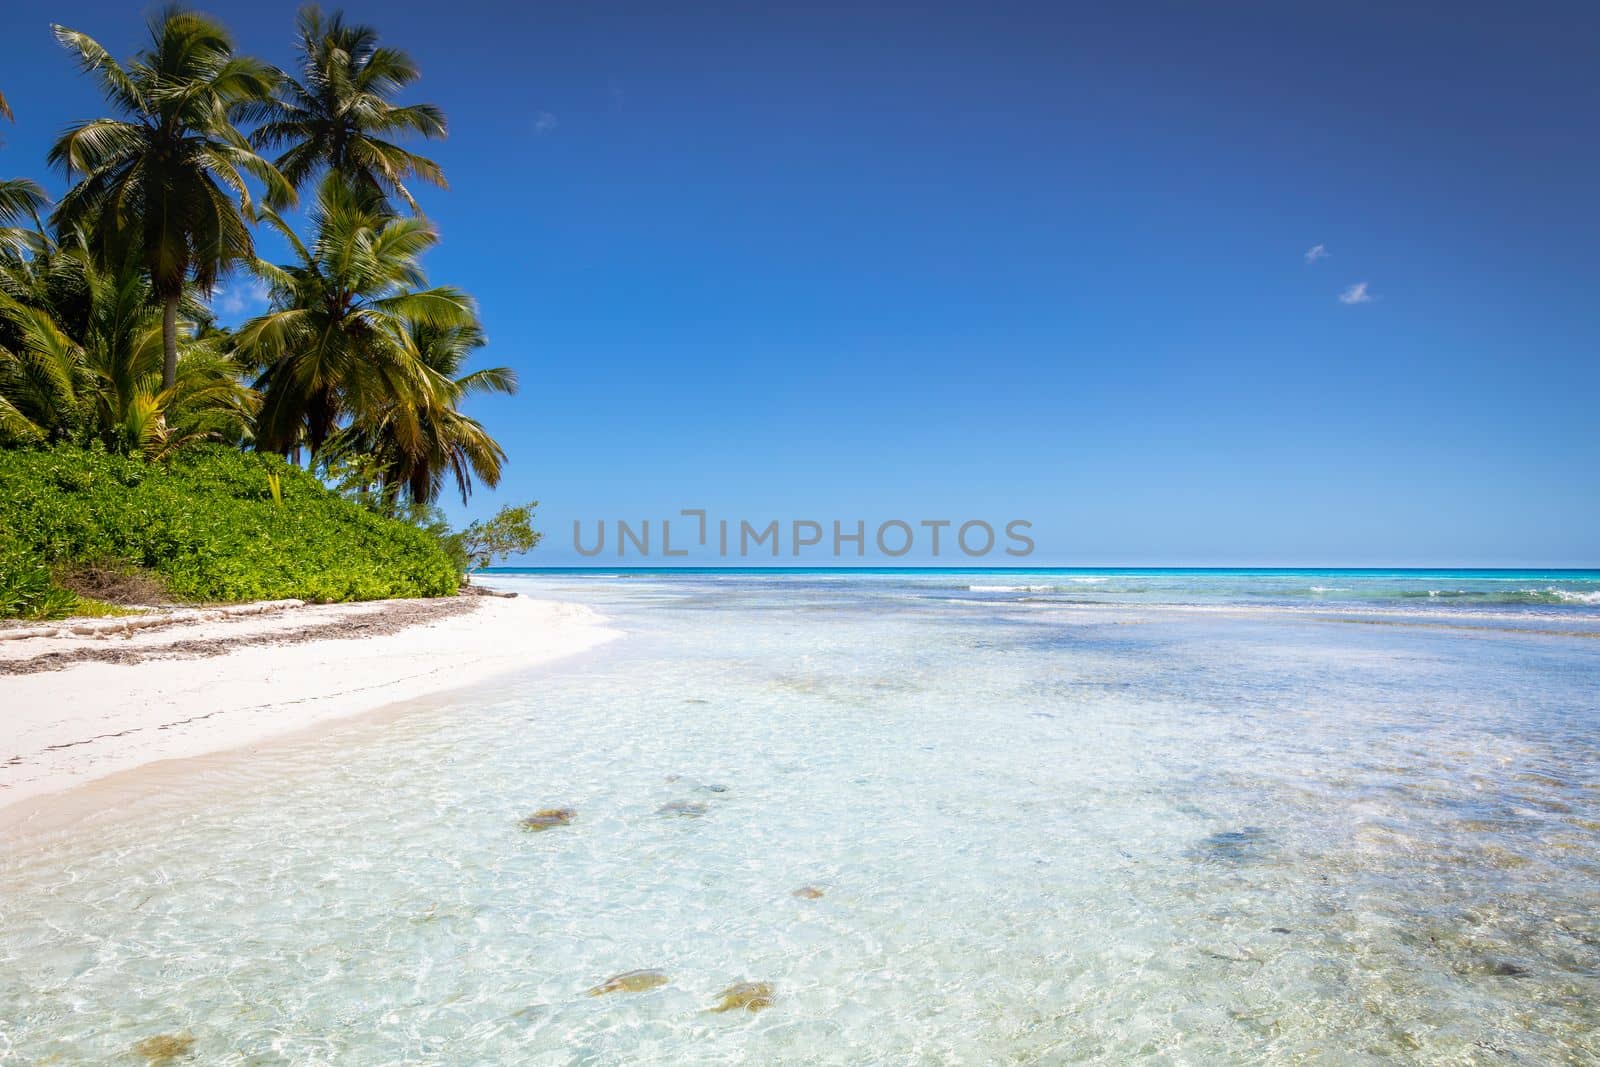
point(1532, 571)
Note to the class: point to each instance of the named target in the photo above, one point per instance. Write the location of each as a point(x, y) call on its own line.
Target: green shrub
point(25, 589)
point(211, 525)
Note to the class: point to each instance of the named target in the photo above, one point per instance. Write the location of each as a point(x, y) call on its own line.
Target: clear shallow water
point(1233, 828)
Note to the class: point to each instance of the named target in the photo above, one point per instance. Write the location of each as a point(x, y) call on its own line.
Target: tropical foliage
point(162, 180)
point(421, 445)
point(357, 370)
point(90, 364)
point(208, 526)
point(508, 533)
point(339, 113)
point(334, 344)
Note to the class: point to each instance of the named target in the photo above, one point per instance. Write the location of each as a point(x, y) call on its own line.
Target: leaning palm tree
point(333, 345)
point(417, 446)
point(339, 114)
point(162, 180)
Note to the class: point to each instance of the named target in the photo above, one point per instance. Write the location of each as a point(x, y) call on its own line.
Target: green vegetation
point(157, 182)
point(26, 591)
point(206, 526)
point(337, 114)
point(300, 454)
point(509, 533)
point(360, 343)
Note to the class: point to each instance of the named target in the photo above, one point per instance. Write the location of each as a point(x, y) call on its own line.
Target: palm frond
point(21, 201)
point(119, 87)
point(488, 380)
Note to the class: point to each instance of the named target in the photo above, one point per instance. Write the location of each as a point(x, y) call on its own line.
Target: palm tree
point(417, 446)
point(128, 406)
point(339, 114)
point(81, 357)
point(334, 344)
point(159, 181)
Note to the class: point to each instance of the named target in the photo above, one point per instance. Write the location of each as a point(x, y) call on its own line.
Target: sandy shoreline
point(77, 708)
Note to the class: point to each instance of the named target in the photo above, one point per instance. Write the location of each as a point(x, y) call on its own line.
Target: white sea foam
point(1573, 597)
point(1085, 580)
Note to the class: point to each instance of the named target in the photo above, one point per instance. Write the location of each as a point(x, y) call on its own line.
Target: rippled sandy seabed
point(1043, 831)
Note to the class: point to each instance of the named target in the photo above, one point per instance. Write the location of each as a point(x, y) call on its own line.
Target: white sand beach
point(80, 706)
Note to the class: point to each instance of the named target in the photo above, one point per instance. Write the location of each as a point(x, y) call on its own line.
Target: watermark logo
point(696, 535)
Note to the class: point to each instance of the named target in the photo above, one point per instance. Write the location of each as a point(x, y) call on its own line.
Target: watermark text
point(692, 533)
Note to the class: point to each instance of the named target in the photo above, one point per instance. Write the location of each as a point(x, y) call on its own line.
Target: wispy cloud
point(1356, 294)
point(543, 123)
point(1316, 252)
point(240, 296)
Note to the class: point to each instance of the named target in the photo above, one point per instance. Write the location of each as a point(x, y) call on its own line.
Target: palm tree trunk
point(169, 341)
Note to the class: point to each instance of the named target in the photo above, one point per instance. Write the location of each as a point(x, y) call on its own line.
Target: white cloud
point(242, 295)
point(1316, 252)
point(1356, 294)
point(543, 123)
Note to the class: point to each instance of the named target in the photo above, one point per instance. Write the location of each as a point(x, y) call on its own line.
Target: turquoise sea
point(1044, 816)
point(1277, 586)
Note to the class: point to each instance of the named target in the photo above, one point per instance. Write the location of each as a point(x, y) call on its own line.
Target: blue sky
point(1007, 261)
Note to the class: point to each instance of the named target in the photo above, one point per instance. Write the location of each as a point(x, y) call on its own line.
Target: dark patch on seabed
point(1249, 844)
